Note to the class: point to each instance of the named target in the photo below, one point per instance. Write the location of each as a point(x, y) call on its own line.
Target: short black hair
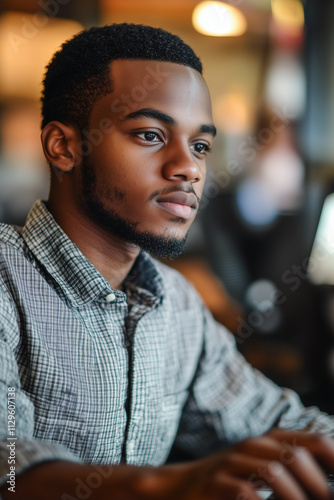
point(78, 74)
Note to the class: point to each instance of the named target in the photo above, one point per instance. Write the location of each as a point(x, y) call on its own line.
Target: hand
point(287, 462)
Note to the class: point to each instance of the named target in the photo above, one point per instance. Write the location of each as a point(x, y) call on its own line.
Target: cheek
point(126, 165)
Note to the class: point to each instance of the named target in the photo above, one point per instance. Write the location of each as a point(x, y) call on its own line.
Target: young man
point(108, 358)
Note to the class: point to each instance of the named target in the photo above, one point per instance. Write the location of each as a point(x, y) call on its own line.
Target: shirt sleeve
point(18, 448)
point(231, 401)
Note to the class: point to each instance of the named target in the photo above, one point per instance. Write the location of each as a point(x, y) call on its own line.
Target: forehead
point(172, 88)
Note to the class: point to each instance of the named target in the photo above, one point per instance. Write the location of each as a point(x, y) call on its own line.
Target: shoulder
point(10, 238)
point(12, 248)
point(12, 252)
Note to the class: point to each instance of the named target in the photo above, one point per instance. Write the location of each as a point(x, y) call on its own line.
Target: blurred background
point(252, 252)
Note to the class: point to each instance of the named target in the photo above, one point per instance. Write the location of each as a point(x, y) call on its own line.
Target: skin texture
point(132, 171)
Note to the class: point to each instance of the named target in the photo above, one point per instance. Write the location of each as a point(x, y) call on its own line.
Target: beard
point(109, 220)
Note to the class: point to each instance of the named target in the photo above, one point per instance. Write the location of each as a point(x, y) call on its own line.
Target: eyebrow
point(163, 117)
point(208, 129)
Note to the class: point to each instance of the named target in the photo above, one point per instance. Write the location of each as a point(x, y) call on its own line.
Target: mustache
point(173, 189)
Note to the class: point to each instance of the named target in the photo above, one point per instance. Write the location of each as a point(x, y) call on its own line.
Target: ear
point(60, 144)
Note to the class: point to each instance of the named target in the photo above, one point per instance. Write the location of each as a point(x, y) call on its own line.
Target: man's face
point(145, 175)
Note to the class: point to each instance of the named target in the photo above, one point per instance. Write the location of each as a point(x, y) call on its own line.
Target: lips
point(179, 203)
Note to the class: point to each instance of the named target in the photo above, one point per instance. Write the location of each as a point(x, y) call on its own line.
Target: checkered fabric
point(108, 376)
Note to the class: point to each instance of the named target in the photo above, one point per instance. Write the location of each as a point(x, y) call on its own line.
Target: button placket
point(130, 446)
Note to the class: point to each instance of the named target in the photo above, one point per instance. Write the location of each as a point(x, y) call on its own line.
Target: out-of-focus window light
point(218, 19)
point(321, 263)
point(285, 87)
point(288, 13)
point(27, 42)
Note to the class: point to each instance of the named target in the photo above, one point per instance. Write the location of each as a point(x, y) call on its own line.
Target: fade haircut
point(79, 72)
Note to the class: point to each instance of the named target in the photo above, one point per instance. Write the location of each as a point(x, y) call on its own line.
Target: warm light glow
point(232, 113)
point(218, 19)
point(27, 42)
point(288, 13)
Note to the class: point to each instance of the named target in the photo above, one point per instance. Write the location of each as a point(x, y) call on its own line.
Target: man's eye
point(202, 148)
point(149, 136)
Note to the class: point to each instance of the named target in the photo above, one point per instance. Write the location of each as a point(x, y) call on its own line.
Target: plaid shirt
point(105, 376)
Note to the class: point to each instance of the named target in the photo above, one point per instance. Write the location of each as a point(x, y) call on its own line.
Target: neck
point(112, 256)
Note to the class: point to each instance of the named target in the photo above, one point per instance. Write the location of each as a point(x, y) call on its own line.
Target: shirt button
point(110, 297)
point(130, 446)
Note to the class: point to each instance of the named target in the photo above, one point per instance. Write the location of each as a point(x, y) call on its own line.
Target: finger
point(264, 447)
point(306, 470)
point(260, 473)
point(225, 487)
point(311, 440)
point(283, 446)
point(319, 445)
point(283, 483)
point(299, 450)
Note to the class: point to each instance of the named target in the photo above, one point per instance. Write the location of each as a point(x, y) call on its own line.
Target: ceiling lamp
point(215, 18)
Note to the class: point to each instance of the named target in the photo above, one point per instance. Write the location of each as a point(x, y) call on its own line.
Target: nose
point(181, 165)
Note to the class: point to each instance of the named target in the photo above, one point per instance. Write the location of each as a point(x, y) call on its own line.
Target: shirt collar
point(78, 279)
